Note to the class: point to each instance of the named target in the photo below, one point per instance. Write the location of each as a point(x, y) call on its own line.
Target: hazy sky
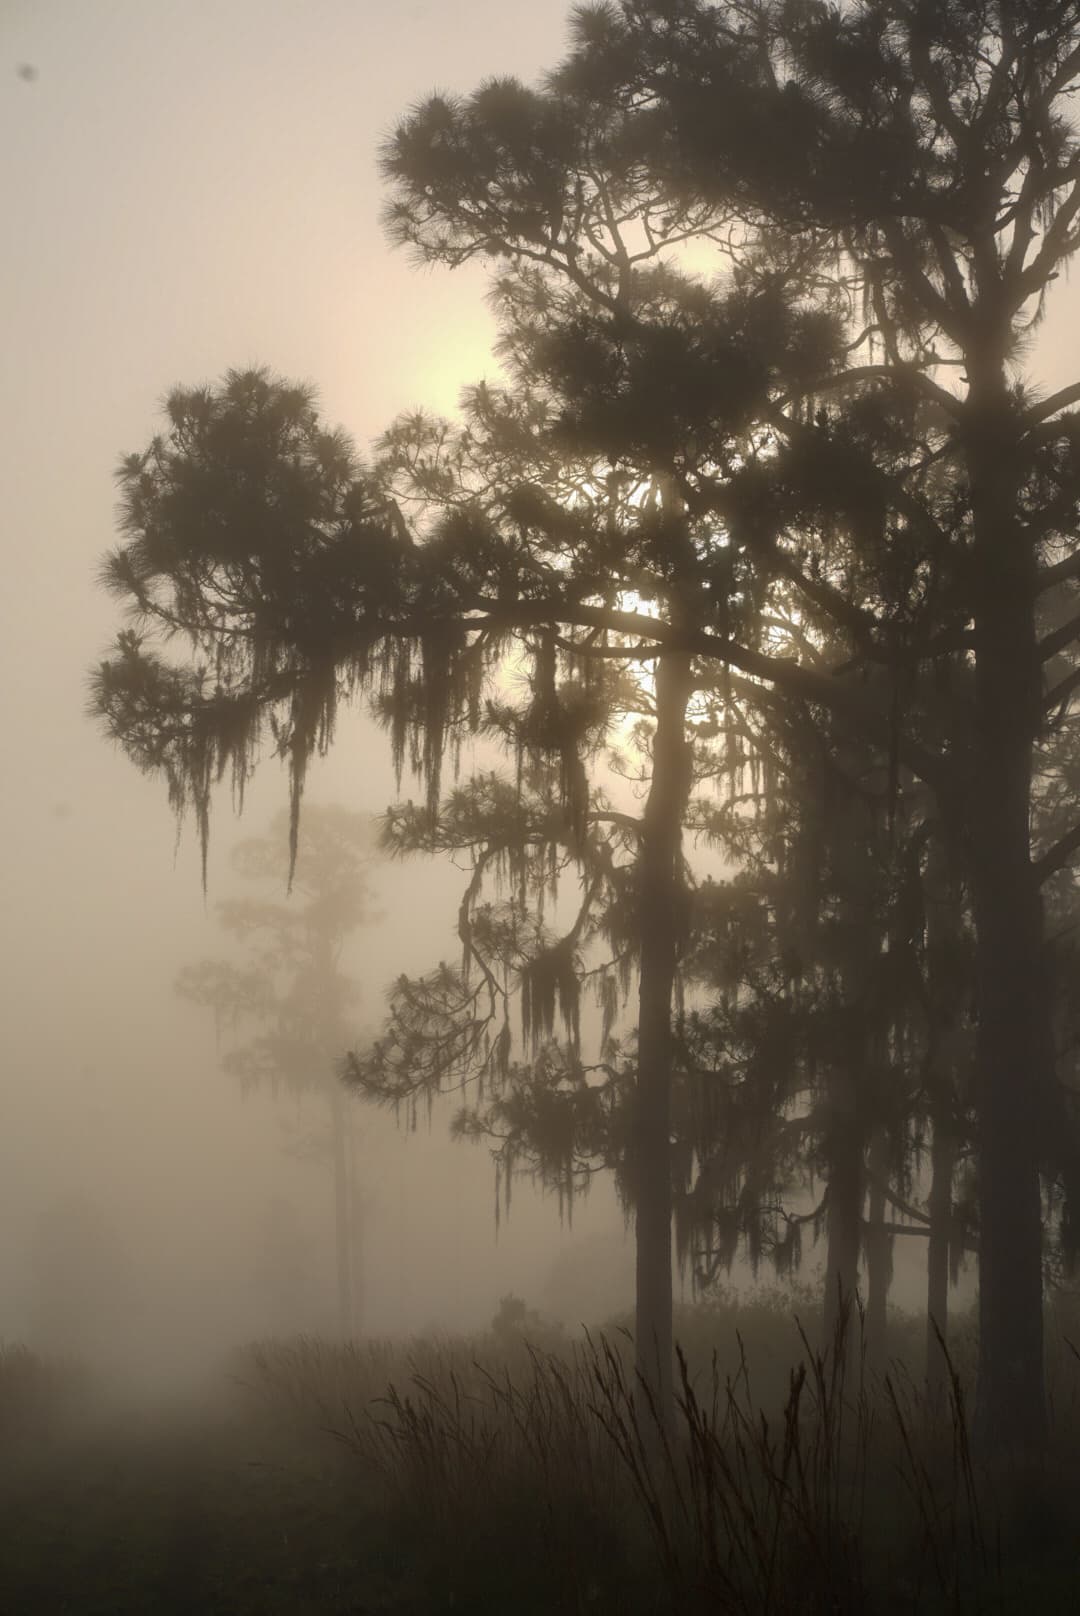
point(188, 187)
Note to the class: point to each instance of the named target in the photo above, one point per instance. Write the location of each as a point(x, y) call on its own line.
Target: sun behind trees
point(801, 512)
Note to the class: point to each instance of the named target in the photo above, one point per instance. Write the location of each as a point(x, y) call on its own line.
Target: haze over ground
point(188, 188)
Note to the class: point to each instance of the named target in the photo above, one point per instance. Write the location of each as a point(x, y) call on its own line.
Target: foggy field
point(183, 1507)
point(486, 1474)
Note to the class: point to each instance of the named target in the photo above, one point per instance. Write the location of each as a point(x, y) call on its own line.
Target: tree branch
point(1058, 639)
point(1060, 400)
point(1056, 857)
point(1059, 573)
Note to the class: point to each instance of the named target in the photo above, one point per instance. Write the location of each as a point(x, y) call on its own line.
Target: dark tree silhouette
point(935, 146)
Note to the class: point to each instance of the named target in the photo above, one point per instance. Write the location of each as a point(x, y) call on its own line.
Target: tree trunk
point(1010, 1401)
point(938, 1250)
point(342, 1232)
point(879, 1256)
point(1011, 1007)
point(844, 1151)
point(943, 937)
point(844, 1206)
point(661, 923)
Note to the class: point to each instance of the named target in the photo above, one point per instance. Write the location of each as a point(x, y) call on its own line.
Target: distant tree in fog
point(284, 1012)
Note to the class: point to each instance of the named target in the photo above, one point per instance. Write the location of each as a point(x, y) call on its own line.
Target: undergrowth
point(542, 1480)
point(492, 1474)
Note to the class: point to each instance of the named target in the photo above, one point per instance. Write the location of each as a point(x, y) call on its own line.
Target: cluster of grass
point(796, 1480)
point(496, 1486)
point(492, 1474)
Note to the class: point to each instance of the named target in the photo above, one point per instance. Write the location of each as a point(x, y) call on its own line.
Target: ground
point(192, 1508)
point(479, 1476)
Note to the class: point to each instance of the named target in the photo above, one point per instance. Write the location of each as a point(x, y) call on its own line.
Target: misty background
point(189, 187)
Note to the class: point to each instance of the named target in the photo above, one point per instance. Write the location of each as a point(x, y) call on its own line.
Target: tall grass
point(822, 1503)
point(488, 1461)
point(543, 1480)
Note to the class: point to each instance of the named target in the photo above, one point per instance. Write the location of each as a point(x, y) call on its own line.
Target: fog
point(185, 188)
point(188, 188)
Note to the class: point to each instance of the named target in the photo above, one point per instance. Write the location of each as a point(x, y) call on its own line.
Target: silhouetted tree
point(247, 528)
point(815, 957)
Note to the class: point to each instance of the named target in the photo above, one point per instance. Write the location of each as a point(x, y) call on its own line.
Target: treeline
point(764, 487)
